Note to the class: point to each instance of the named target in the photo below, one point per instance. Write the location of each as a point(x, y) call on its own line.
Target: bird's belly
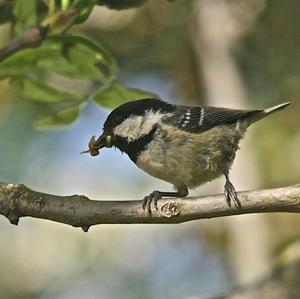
point(180, 170)
point(190, 161)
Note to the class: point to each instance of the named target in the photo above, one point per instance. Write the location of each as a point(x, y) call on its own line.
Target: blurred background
point(237, 54)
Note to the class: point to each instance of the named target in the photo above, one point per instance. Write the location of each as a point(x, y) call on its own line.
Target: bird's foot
point(230, 195)
point(156, 195)
point(152, 197)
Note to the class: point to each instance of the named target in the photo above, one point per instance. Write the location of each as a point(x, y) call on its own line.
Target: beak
point(105, 140)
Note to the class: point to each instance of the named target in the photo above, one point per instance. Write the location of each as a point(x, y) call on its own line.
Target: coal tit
point(185, 146)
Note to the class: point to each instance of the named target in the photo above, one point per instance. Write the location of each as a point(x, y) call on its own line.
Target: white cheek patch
point(135, 127)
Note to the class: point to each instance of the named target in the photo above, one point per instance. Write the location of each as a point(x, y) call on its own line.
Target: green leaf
point(80, 58)
point(63, 117)
point(25, 14)
point(26, 61)
point(60, 21)
point(65, 4)
point(67, 55)
point(38, 91)
point(117, 95)
point(121, 4)
point(86, 7)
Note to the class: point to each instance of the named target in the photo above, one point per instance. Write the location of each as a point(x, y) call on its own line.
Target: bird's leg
point(156, 195)
point(230, 193)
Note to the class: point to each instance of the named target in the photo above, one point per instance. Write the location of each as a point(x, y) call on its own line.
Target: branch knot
point(170, 209)
point(13, 212)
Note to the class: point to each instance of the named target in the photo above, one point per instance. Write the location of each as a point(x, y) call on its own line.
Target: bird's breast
point(190, 159)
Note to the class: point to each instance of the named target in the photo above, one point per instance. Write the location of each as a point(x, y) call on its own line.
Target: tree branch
point(33, 37)
point(17, 200)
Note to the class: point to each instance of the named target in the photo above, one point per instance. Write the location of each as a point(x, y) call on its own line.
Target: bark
point(17, 200)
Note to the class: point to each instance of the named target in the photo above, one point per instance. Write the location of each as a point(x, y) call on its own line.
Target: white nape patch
point(201, 117)
point(137, 126)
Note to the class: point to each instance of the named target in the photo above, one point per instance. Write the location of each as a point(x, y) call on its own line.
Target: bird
point(182, 145)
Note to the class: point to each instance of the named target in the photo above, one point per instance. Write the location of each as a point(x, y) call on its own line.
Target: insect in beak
point(96, 144)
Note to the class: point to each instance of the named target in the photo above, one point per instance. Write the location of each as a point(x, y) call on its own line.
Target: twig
point(17, 200)
point(31, 38)
point(34, 36)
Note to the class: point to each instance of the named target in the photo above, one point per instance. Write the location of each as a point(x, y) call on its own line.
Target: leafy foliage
point(121, 4)
point(64, 116)
point(25, 14)
point(117, 94)
point(40, 73)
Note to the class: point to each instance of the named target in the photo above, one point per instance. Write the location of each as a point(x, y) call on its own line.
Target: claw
point(152, 197)
point(156, 195)
point(231, 196)
point(148, 205)
point(144, 203)
point(155, 200)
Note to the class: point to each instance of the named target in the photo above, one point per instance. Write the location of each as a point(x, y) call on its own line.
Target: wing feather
point(199, 119)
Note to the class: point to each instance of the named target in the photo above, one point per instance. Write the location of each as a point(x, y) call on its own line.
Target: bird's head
point(130, 126)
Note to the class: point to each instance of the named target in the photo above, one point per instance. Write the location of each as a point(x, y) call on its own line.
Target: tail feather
point(277, 108)
point(266, 112)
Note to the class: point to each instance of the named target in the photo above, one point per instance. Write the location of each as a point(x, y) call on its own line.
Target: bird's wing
point(199, 119)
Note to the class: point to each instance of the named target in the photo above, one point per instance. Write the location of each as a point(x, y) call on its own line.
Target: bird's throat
point(133, 148)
